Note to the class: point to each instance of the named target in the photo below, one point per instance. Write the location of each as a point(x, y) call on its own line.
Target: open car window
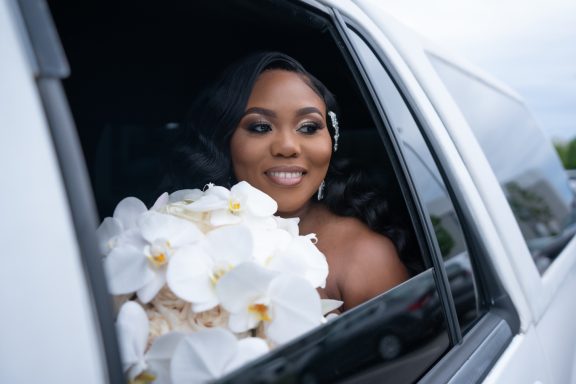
point(130, 89)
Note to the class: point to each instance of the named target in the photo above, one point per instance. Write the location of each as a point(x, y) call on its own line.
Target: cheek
point(322, 153)
point(244, 156)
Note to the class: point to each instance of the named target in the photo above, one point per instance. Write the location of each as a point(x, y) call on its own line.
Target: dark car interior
point(135, 68)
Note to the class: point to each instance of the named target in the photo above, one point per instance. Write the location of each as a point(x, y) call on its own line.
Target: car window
point(530, 173)
point(432, 191)
point(128, 109)
point(397, 335)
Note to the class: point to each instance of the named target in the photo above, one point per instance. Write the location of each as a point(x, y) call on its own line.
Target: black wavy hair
point(201, 151)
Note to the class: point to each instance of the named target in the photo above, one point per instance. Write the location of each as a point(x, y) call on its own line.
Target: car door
point(54, 324)
point(533, 215)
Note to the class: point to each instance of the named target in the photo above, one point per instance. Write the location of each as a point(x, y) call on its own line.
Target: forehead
point(277, 85)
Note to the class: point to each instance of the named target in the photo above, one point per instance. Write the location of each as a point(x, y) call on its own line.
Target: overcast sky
point(528, 44)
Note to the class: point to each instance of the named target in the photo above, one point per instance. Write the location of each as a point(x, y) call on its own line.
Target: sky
point(528, 44)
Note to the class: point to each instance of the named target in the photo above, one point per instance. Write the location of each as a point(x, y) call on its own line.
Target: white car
point(90, 92)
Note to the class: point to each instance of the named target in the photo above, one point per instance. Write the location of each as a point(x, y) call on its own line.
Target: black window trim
point(420, 214)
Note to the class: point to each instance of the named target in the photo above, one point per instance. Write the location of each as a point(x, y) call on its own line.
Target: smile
point(285, 177)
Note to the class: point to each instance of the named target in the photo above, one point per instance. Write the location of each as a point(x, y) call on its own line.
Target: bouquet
point(208, 280)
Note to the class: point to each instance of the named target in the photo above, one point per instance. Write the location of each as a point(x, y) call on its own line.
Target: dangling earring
point(320, 194)
point(334, 121)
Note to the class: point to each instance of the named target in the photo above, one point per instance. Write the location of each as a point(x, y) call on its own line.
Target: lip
point(285, 175)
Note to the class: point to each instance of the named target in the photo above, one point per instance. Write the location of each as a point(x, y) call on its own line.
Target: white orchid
point(299, 256)
point(288, 305)
point(133, 327)
point(269, 242)
point(186, 195)
point(141, 268)
point(289, 224)
point(194, 272)
point(241, 203)
point(115, 230)
point(209, 354)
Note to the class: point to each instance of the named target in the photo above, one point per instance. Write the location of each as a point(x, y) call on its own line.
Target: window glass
point(431, 188)
point(394, 338)
point(526, 166)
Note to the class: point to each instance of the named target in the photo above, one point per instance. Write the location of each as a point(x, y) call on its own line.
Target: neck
point(300, 213)
point(310, 216)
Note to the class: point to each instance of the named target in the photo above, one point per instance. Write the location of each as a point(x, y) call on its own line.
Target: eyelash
point(262, 127)
point(309, 128)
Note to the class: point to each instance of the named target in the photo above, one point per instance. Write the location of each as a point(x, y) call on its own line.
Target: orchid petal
point(154, 225)
point(258, 203)
point(208, 203)
point(132, 328)
point(131, 237)
point(126, 270)
point(186, 195)
point(202, 356)
point(242, 321)
point(160, 355)
point(289, 224)
point(302, 258)
point(258, 222)
point(267, 242)
point(151, 288)
point(230, 244)
point(242, 285)
point(296, 308)
point(329, 305)
point(106, 232)
point(249, 349)
point(238, 289)
point(223, 217)
point(160, 202)
point(205, 306)
point(219, 192)
point(188, 276)
point(128, 211)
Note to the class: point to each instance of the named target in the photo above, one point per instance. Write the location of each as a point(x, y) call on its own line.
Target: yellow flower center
point(261, 311)
point(158, 260)
point(158, 252)
point(234, 206)
point(217, 273)
point(143, 378)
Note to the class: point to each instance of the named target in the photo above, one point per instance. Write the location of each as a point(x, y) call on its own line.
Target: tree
point(567, 153)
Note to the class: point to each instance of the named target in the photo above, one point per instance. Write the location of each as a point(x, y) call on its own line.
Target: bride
point(269, 122)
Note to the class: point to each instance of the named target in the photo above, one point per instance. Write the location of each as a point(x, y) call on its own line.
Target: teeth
point(286, 175)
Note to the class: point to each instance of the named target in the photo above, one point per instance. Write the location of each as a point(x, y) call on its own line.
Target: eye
point(309, 128)
point(259, 127)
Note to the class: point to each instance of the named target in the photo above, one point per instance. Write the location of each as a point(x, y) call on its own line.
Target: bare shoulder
point(371, 264)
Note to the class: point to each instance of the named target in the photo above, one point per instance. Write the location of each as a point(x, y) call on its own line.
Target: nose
point(285, 144)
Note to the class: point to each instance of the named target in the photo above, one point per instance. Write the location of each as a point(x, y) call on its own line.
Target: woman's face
point(282, 145)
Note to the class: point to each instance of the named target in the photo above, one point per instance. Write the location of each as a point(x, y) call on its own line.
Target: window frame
point(495, 329)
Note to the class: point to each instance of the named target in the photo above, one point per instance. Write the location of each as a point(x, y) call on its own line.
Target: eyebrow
point(269, 113)
point(260, 111)
point(308, 110)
